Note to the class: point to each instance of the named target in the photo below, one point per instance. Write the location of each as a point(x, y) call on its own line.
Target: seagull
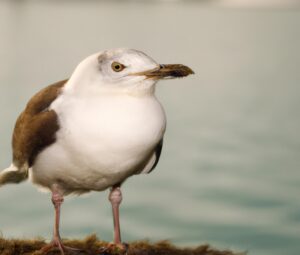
point(92, 131)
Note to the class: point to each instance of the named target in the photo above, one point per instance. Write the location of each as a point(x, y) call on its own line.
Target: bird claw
point(58, 245)
point(113, 248)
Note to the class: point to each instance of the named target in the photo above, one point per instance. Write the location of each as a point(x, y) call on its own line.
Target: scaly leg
point(57, 200)
point(115, 197)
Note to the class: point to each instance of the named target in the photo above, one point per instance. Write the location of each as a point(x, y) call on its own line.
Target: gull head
point(123, 70)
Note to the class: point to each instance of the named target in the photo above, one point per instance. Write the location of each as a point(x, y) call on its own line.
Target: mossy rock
point(91, 246)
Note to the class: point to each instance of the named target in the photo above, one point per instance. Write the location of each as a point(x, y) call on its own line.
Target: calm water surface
point(229, 173)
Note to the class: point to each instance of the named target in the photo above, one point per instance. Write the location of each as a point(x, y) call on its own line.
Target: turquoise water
point(229, 172)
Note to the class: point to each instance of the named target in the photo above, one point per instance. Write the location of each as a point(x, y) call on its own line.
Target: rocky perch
point(91, 246)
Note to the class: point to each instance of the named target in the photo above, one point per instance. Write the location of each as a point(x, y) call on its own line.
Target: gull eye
point(117, 67)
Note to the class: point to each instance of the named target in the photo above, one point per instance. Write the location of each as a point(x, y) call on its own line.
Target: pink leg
point(115, 197)
point(57, 200)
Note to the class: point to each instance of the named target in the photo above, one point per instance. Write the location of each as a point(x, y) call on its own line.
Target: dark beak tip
point(188, 71)
point(182, 71)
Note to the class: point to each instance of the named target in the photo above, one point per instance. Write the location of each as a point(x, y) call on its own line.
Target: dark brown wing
point(158, 150)
point(36, 126)
point(152, 161)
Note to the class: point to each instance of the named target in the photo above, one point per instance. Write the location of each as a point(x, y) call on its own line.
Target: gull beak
point(167, 72)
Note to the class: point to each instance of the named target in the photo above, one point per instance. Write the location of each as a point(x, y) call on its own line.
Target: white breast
point(101, 141)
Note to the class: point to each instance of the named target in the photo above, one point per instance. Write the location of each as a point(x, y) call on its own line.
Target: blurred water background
point(229, 173)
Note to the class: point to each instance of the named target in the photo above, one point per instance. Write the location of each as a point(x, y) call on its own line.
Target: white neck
point(92, 89)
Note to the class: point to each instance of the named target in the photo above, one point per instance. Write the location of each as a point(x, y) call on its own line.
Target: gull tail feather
point(13, 174)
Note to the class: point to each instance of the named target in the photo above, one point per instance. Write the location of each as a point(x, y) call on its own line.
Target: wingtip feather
point(13, 174)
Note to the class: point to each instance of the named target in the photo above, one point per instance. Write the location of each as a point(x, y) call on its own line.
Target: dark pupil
point(117, 67)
